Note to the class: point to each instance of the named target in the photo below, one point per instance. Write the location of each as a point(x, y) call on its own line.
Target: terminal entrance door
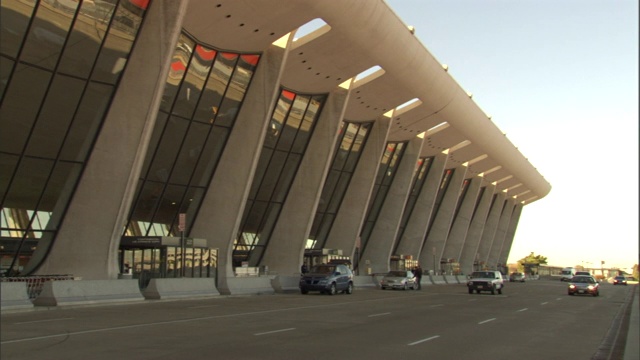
point(162, 257)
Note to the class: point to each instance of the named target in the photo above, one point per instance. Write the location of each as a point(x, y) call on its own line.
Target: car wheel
point(349, 289)
point(500, 291)
point(332, 289)
point(405, 287)
point(477, 291)
point(304, 291)
point(570, 293)
point(493, 291)
point(470, 291)
point(383, 288)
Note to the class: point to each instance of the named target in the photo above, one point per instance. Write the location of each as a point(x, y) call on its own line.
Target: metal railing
point(36, 283)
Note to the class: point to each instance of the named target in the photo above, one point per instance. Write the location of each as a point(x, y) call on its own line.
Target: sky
point(560, 78)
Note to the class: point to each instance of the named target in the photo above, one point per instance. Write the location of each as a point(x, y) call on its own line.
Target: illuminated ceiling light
point(470, 95)
point(505, 178)
point(412, 29)
point(283, 41)
point(421, 135)
point(479, 158)
point(460, 145)
point(436, 129)
point(347, 84)
point(445, 67)
point(389, 113)
point(492, 170)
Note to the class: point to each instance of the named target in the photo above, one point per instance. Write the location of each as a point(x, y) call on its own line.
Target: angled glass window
point(348, 151)
point(292, 123)
point(386, 172)
point(203, 93)
point(59, 67)
point(420, 176)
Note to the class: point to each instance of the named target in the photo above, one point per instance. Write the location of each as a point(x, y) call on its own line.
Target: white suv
point(488, 280)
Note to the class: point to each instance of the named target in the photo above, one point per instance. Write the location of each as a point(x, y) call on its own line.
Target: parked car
point(582, 284)
point(327, 278)
point(399, 279)
point(619, 280)
point(485, 281)
point(516, 276)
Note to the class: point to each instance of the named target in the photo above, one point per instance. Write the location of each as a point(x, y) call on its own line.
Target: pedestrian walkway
point(632, 347)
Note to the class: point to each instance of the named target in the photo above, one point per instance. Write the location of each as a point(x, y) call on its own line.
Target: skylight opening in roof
point(408, 103)
point(312, 29)
point(369, 72)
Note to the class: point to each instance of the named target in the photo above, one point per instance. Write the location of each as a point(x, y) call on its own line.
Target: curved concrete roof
point(360, 35)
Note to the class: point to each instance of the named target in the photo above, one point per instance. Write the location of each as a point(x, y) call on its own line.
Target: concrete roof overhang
point(362, 35)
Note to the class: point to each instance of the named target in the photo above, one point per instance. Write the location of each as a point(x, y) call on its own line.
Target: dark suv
point(329, 279)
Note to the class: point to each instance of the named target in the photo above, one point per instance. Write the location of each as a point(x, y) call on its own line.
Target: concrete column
point(439, 230)
point(88, 239)
point(416, 229)
point(285, 250)
point(490, 228)
point(511, 232)
point(476, 228)
point(346, 228)
point(380, 243)
point(462, 221)
point(501, 231)
point(221, 211)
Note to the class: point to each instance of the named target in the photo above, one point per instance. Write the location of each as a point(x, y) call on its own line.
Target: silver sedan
point(399, 279)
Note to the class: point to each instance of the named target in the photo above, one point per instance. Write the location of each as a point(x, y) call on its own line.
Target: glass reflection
point(52, 119)
point(280, 158)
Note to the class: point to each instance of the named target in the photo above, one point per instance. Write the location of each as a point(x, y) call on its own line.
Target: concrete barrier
point(173, 288)
point(451, 279)
point(286, 284)
point(14, 296)
point(82, 292)
point(437, 279)
point(250, 285)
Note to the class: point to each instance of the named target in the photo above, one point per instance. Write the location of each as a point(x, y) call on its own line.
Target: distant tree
point(636, 272)
point(530, 263)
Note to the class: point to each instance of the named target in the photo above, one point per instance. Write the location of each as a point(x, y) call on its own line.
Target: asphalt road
point(532, 320)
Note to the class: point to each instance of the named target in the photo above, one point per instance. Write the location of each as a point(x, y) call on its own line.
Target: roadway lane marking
point(521, 310)
point(381, 314)
point(39, 321)
point(202, 306)
point(438, 305)
point(274, 331)
point(559, 299)
point(544, 303)
point(486, 321)
point(423, 340)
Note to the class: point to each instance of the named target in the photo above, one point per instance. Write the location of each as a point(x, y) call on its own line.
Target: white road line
point(544, 303)
point(203, 306)
point(381, 314)
point(486, 321)
point(39, 321)
point(521, 310)
point(274, 331)
point(559, 299)
point(423, 340)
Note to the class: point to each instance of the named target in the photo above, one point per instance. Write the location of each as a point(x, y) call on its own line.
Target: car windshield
point(483, 274)
point(323, 269)
point(619, 277)
point(397, 273)
point(583, 279)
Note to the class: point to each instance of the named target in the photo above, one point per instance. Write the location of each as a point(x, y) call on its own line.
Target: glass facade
point(60, 63)
point(288, 134)
point(442, 189)
point(386, 172)
point(349, 148)
point(422, 170)
point(203, 93)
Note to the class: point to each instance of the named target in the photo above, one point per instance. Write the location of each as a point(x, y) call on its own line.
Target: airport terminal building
point(240, 139)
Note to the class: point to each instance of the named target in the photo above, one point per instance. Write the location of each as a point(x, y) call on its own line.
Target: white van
point(567, 273)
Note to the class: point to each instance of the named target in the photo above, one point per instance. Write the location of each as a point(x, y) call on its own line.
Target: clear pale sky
point(560, 78)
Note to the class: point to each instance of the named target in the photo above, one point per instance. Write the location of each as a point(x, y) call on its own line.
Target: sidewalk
point(632, 347)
